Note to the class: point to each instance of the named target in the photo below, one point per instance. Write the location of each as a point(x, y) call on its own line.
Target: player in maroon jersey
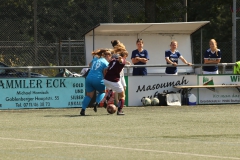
point(112, 76)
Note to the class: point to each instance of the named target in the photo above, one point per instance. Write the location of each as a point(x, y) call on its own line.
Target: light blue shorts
point(94, 84)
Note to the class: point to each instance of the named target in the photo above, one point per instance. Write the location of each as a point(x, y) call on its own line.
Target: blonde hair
point(173, 41)
point(101, 52)
point(119, 48)
point(123, 53)
point(215, 44)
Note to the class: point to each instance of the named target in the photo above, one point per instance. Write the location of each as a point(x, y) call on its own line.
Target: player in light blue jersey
point(212, 56)
point(94, 79)
point(172, 56)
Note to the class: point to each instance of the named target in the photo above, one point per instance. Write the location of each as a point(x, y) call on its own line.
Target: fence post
point(224, 68)
point(234, 33)
point(35, 32)
point(57, 51)
point(69, 51)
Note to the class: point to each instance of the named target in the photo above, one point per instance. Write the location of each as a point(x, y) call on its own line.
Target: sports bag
point(162, 99)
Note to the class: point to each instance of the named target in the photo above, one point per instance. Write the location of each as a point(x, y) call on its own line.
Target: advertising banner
point(150, 86)
point(218, 95)
point(19, 93)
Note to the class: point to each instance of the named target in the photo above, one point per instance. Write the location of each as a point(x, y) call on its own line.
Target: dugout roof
point(145, 28)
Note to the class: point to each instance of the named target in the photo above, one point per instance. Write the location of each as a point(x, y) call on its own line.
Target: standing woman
point(212, 56)
point(94, 79)
point(171, 57)
point(112, 77)
point(139, 57)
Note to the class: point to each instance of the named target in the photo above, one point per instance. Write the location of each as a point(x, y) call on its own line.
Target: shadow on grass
point(65, 115)
point(76, 115)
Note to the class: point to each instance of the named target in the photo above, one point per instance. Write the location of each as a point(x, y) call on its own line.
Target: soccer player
point(122, 79)
point(212, 56)
point(94, 79)
point(171, 57)
point(112, 77)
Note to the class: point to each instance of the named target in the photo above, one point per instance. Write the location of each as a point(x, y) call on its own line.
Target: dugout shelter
point(156, 37)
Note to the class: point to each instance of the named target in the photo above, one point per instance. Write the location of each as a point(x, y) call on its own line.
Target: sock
point(120, 104)
point(100, 97)
point(86, 102)
point(109, 95)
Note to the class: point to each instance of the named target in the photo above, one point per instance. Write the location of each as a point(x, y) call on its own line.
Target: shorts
point(141, 71)
point(115, 86)
point(172, 74)
point(94, 84)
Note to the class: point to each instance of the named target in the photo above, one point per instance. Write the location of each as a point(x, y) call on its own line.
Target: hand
point(128, 63)
point(189, 64)
point(174, 64)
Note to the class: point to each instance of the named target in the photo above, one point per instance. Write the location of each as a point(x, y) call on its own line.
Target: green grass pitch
point(153, 132)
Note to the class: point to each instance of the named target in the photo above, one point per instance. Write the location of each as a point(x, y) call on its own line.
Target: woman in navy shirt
point(172, 56)
point(212, 56)
point(139, 57)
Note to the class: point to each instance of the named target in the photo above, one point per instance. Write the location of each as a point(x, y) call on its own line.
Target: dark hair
point(139, 40)
point(115, 42)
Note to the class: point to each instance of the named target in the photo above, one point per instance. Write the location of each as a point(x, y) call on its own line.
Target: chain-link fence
point(238, 30)
point(50, 32)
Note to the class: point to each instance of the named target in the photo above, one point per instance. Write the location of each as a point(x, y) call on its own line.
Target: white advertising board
point(150, 86)
point(218, 95)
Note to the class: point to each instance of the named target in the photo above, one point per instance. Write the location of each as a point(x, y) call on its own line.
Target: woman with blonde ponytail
point(212, 56)
point(112, 79)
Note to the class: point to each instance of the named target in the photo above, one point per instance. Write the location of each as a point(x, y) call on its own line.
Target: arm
point(128, 63)
point(105, 72)
point(120, 59)
point(144, 59)
point(184, 61)
point(212, 59)
point(138, 59)
point(170, 62)
point(135, 59)
point(209, 61)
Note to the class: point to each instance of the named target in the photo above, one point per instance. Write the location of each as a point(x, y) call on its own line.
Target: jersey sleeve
point(206, 55)
point(167, 54)
point(147, 55)
point(219, 54)
point(133, 54)
point(179, 54)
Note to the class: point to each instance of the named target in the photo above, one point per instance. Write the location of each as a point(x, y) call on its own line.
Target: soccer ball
point(146, 101)
point(111, 108)
point(155, 102)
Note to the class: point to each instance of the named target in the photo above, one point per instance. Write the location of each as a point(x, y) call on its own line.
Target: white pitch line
point(123, 148)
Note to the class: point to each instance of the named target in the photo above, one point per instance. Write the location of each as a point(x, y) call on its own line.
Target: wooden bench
point(186, 89)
